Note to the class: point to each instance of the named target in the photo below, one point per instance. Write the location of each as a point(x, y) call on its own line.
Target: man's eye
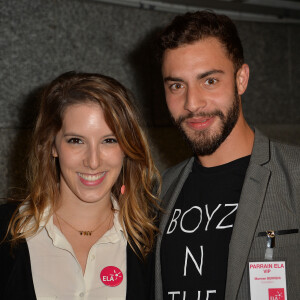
point(211, 81)
point(176, 86)
point(75, 141)
point(110, 141)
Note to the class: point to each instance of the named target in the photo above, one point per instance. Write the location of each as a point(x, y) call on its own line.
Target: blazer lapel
point(170, 194)
point(250, 205)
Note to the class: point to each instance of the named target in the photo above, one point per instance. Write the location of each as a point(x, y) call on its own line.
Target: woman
point(87, 228)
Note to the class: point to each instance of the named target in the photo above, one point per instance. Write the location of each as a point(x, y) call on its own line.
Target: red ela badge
point(276, 294)
point(111, 276)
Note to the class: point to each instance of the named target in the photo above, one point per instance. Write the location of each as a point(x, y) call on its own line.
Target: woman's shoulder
point(6, 212)
point(7, 209)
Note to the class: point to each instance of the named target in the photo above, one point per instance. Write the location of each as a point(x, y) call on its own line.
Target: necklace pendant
point(85, 233)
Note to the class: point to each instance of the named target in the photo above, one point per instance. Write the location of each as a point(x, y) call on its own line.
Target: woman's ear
point(242, 78)
point(54, 151)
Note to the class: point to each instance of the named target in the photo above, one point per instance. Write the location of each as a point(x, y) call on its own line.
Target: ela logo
point(111, 276)
point(276, 294)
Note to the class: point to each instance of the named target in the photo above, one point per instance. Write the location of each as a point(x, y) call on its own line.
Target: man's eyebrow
point(199, 76)
point(169, 78)
point(208, 73)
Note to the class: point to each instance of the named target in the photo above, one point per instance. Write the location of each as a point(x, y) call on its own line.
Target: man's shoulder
point(283, 154)
point(268, 151)
point(289, 149)
point(280, 158)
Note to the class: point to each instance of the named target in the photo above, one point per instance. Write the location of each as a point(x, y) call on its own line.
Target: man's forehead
point(205, 55)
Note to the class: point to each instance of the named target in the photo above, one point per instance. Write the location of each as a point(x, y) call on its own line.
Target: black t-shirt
point(194, 249)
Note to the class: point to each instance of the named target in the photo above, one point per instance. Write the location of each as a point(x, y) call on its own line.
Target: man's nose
point(195, 99)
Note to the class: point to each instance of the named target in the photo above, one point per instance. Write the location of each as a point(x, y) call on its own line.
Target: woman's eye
point(110, 141)
point(211, 81)
point(75, 141)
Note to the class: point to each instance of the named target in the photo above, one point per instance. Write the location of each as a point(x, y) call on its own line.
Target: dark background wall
point(40, 39)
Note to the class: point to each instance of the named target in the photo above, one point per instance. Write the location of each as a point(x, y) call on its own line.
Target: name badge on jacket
point(267, 280)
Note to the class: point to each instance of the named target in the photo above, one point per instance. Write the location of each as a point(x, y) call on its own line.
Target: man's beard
point(204, 142)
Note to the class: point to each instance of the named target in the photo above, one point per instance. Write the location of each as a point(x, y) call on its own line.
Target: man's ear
point(242, 78)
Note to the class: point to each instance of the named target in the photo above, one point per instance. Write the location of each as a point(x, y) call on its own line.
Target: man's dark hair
point(193, 27)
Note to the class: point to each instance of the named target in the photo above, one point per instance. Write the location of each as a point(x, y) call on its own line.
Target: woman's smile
point(91, 179)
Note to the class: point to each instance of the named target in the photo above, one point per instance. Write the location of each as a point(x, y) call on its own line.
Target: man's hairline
point(200, 40)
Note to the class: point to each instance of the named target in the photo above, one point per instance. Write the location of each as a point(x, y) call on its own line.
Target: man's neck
point(238, 144)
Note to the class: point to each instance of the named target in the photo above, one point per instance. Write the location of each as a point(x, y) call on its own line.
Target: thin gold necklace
point(81, 232)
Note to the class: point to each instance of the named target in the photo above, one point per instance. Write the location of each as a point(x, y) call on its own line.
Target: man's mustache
point(216, 113)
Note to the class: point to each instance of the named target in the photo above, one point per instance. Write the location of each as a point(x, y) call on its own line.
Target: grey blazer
point(270, 200)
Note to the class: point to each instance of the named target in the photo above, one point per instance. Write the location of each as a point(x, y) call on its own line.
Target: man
point(232, 212)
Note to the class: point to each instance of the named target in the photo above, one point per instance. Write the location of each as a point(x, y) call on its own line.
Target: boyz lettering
point(179, 217)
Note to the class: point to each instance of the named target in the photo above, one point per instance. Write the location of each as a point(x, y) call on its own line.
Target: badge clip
point(270, 234)
point(270, 244)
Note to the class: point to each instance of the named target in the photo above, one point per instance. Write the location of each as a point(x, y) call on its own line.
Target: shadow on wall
point(20, 146)
point(148, 80)
point(167, 145)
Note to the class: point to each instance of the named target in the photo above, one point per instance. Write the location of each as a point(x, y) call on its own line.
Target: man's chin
point(204, 142)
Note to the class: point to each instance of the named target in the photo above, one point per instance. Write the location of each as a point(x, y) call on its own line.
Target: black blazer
point(15, 269)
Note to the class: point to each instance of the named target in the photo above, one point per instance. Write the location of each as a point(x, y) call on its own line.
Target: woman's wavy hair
point(138, 205)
